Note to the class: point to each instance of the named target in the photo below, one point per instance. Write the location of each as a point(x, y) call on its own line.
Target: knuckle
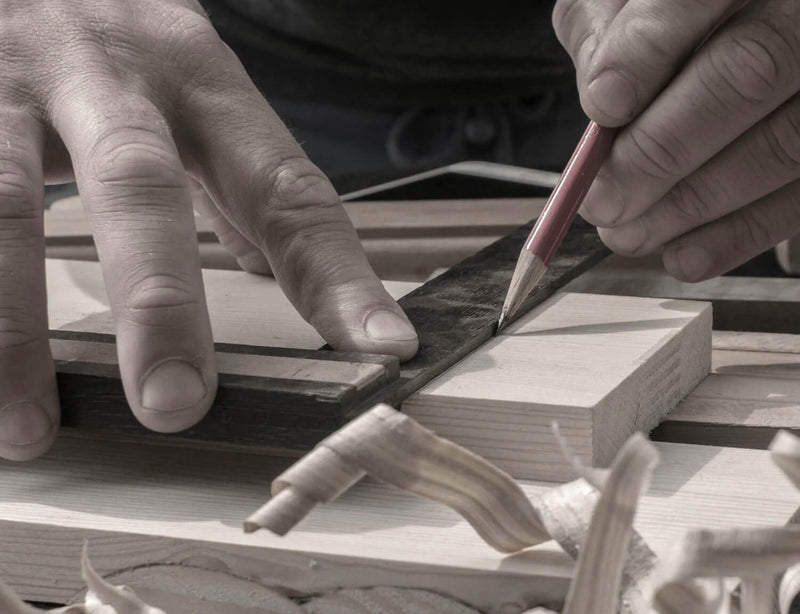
point(21, 322)
point(751, 64)
point(574, 30)
point(564, 18)
point(136, 157)
point(154, 298)
point(296, 183)
point(642, 42)
point(302, 205)
point(198, 52)
point(20, 195)
point(689, 202)
point(750, 229)
point(655, 156)
point(189, 25)
point(18, 328)
point(783, 136)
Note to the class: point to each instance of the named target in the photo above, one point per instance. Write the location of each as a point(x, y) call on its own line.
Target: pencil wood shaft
point(558, 214)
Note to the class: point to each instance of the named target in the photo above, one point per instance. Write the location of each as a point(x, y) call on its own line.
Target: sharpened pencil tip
point(501, 324)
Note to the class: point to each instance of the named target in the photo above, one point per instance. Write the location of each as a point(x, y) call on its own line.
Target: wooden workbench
point(714, 470)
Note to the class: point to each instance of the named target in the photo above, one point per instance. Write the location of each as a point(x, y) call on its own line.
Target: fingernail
point(603, 203)
point(689, 262)
point(24, 423)
point(627, 238)
point(172, 385)
point(385, 325)
point(613, 95)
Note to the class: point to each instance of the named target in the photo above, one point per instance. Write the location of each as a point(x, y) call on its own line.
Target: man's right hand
point(137, 101)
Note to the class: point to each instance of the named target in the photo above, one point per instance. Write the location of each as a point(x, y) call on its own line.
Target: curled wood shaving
point(11, 604)
point(596, 586)
point(788, 589)
point(757, 556)
point(101, 597)
point(397, 450)
point(785, 450)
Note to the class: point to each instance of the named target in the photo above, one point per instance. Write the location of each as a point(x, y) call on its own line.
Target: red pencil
point(558, 213)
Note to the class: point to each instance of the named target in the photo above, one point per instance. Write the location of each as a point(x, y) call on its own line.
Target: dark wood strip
point(391, 363)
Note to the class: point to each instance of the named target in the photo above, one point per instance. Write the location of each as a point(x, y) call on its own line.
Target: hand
point(136, 98)
point(708, 166)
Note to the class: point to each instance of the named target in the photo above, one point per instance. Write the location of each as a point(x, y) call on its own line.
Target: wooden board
point(260, 316)
point(403, 239)
point(752, 392)
point(146, 504)
point(758, 304)
point(602, 366)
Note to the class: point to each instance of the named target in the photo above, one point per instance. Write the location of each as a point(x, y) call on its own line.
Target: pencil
point(555, 219)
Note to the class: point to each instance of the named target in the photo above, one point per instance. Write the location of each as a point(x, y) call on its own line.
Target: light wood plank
point(244, 309)
point(756, 304)
point(358, 374)
point(65, 221)
point(602, 366)
point(404, 240)
point(751, 394)
point(144, 504)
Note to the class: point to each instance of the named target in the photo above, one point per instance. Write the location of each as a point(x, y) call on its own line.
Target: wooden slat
point(357, 374)
point(65, 221)
point(244, 309)
point(602, 366)
point(758, 304)
point(142, 504)
point(751, 394)
point(403, 239)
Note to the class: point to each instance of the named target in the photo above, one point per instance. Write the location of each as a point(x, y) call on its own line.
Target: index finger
point(273, 195)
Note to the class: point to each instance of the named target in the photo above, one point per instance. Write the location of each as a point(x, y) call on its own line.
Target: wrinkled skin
point(707, 165)
point(149, 111)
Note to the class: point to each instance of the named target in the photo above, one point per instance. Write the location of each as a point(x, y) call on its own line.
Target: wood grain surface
point(406, 240)
point(752, 392)
point(144, 504)
point(602, 366)
point(755, 304)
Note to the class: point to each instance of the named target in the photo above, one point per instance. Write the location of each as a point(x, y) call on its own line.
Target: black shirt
point(386, 53)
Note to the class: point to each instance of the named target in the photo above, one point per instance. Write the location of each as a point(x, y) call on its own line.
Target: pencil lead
point(501, 323)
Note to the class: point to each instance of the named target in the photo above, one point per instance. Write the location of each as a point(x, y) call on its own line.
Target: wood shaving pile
point(591, 518)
